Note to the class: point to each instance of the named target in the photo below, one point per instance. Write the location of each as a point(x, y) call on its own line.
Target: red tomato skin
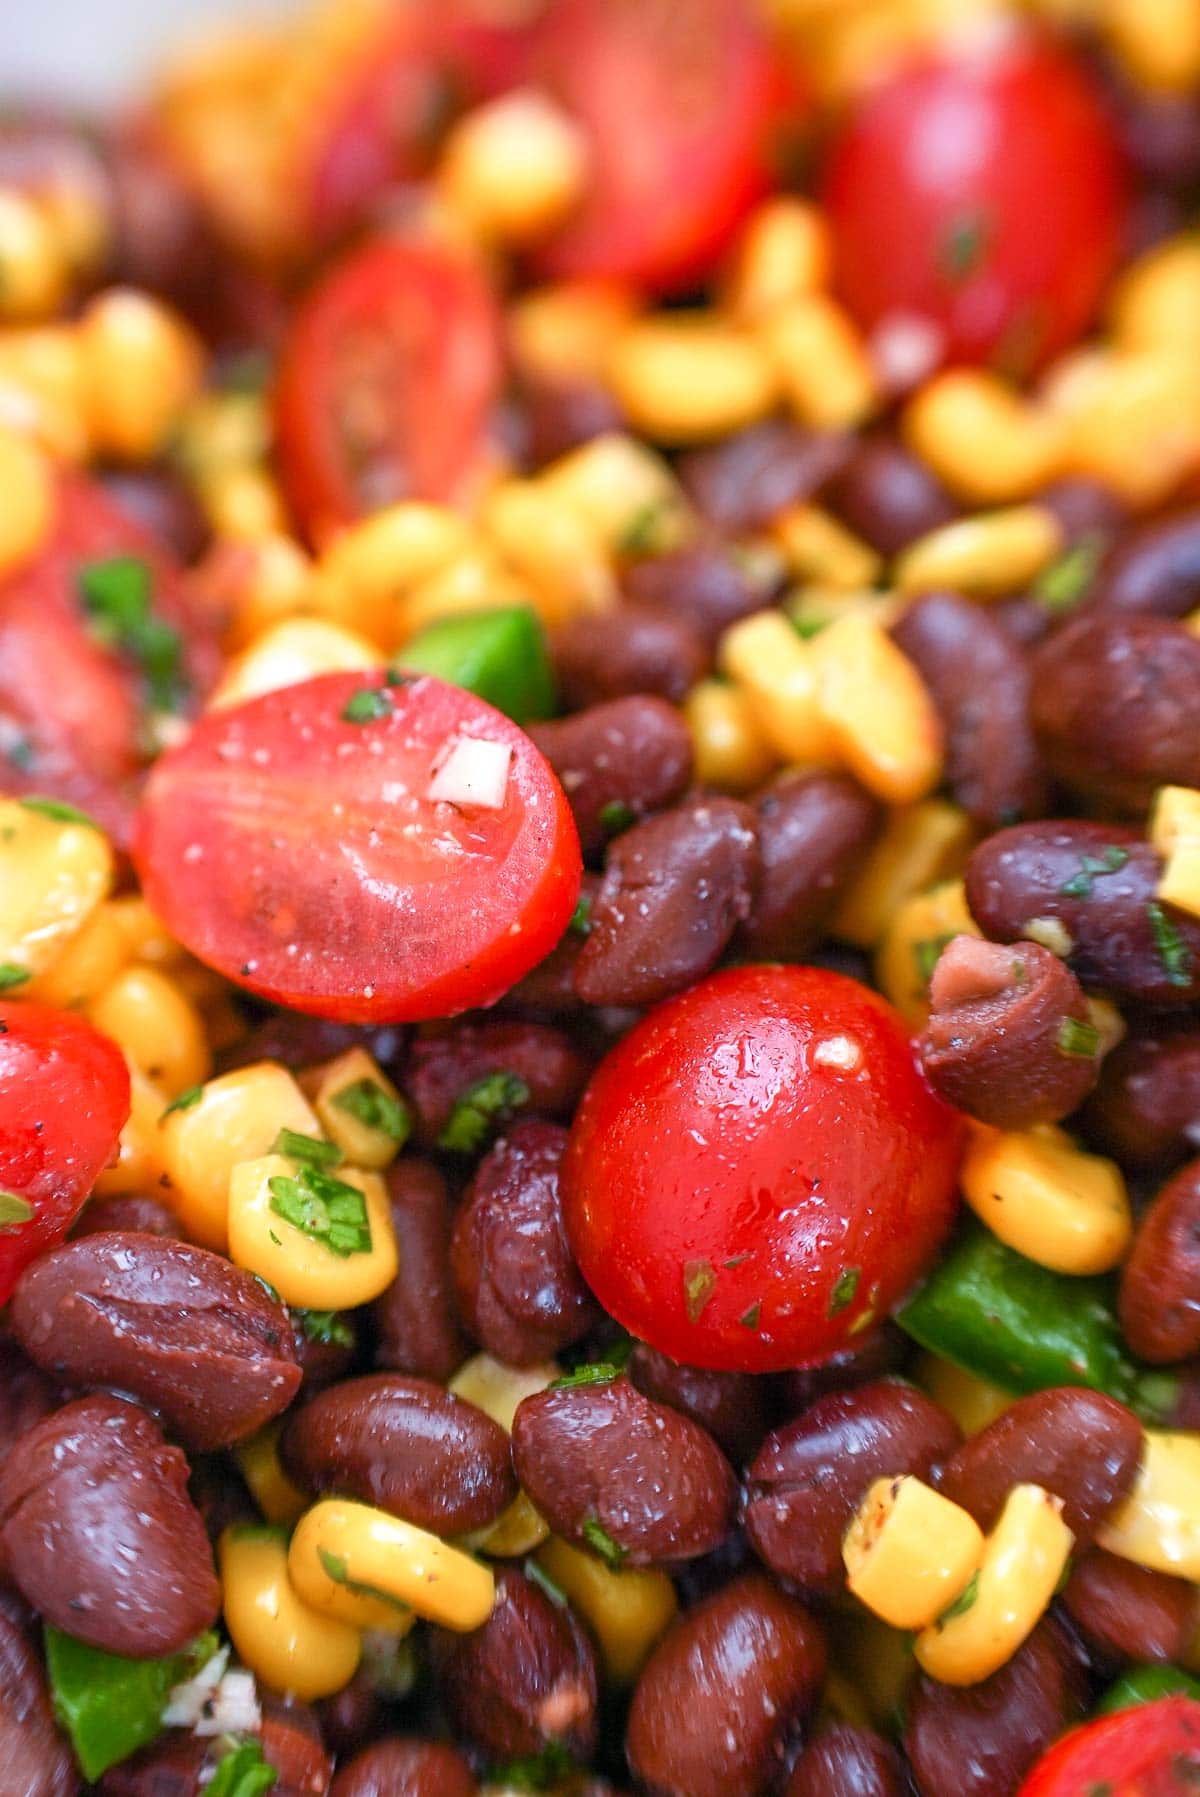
point(984, 190)
point(1132, 1754)
point(429, 326)
point(719, 1182)
point(298, 855)
point(64, 1098)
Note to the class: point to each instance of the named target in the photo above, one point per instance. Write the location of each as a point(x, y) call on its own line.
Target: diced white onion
point(905, 348)
point(472, 771)
point(215, 1701)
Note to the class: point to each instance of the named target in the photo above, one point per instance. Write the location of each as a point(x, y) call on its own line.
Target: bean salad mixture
point(600, 906)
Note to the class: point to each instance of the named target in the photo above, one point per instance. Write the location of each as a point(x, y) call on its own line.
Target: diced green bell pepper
point(500, 655)
point(111, 1706)
point(1146, 1684)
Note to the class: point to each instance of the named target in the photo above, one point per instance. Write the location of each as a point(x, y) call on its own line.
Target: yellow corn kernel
point(1108, 1023)
point(918, 846)
point(729, 748)
point(986, 441)
point(89, 963)
point(972, 1402)
point(290, 1647)
point(1023, 1559)
point(34, 271)
point(1174, 817)
point(623, 490)
point(1158, 1525)
point(140, 366)
point(26, 500)
point(477, 581)
point(822, 362)
point(366, 572)
point(244, 505)
point(912, 942)
point(812, 608)
point(160, 1032)
point(1132, 419)
point(297, 649)
point(688, 378)
point(1046, 1198)
point(138, 1166)
point(995, 553)
point(553, 546)
point(53, 874)
point(909, 1551)
point(767, 660)
point(565, 333)
point(236, 1119)
point(822, 551)
point(279, 1500)
point(497, 1390)
point(1179, 883)
point(301, 1268)
point(265, 581)
point(1156, 301)
point(145, 935)
point(41, 388)
point(785, 253)
point(881, 719)
point(515, 167)
point(360, 1109)
point(627, 1612)
point(339, 1547)
point(1157, 40)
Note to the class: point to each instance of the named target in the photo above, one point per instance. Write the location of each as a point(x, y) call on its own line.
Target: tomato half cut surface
point(387, 382)
point(296, 844)
point(1150, 1750)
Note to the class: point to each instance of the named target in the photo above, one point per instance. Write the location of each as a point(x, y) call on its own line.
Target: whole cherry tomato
point(362, 847)
point(758, 1171)
point(387, 382)
point(981, 190)
point(1150, 1750)
point(64, 1097)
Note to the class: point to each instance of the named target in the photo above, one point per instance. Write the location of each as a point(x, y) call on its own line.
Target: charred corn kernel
point(297, 649)
point(972, 1402)
point(784, 254)
point(26, 500)
point(909, 1551)
point(361, 1110)
point(1023, 1560)
point(279, 1500)
point(766, 659)
point(514, 167)
point(1157, 40)
point(1158, 1525)
point(497, 1390)
point(338, 1548)
point(1046, 1198)
point(365, 573)
point(821, 361)
point(140, 366)
point(992, 554)
point(912, 942)
point(34, 271)
point(1132, 419)
point(53, 875)
point(729, 748)
point(295, 1259)
point(918, 846)
point(88, 964)
point(160, 1031)
point(1156, 301)
point(624, 491)
point(881, 719)
point(876, 1658)
point(566, 333)
point(988, 443)
point(689, 377)
point(627, 1612)
point(552, 546)
point(290, 1647)
point(138, 1166)
point(477, 581)
point(244, 505)
point(820, 550)
point(265, 581)
point(41, 389)
point(236, 1119)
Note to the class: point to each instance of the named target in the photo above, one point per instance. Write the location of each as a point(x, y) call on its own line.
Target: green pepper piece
point(1146, 1684)
point(501, 655)
point(111, 1706)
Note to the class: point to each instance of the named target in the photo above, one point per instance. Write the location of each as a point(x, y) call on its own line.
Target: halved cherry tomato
point(758, 1171)
point(64, 1097)
point(387, 383)
point(980, 189)
point(679, 99)
point(292, 843)
point(1151, 1750)
point(74, 702)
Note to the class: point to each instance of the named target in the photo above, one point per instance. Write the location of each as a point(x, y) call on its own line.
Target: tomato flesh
point(758, 1171)
point(299, 853)
point(982, 191)
point(64, 1097)
point(1151, 1750)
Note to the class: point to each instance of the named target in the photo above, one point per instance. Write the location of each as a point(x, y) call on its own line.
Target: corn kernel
point(729, 748)
point(1053, 1203)
point(297, 649)
point(623, 491)
point(138, 1165)
point(1179, 883)
point(1132, 419)
point(1156, 300)
point(41, 389)
point(26, 500)
point(987, 556)
point(812, 608)
point(553, 546)
point(766, 659)
point(244, 505)
point(303, 1270)
point(264, 582)
point(822, 551)
point(291, 1647)
point(822, 362)
point(53, 875)
point(1157, 40)
point(340, 1547)
point(280, 1500)
point(626, 1611)
point(497, 1390)
point(146, 937)
point(985, 440)
point(881, 719)
point(140, 366)
point(785, 253)
point(515, 167)
point(160, 1032)
point(918, 846)
point(361, 1110)
point(909, 1551)
point(34, 272)
point(90, 962)
point(914, 938)
point(367, 571)
point(688, 378)
point(565, 334)
point(477, 581)
point(1158, 1525)
point(972, 1402)
point(1174, 817)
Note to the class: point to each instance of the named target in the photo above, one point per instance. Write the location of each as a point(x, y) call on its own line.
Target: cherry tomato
point(981, 190)
point(75, 697)
point(293, 844)
point(678, 98)
point(1151, 1750)
point(64, 1097)
point(387, 382)
point(758, 1171)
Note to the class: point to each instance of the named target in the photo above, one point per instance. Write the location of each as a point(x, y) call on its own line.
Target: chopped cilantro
point(116, 596)
point(59, 811)
point(368, 1102)
point(1091, 868)
point(643, 533)
point(242, 1773)
point(593, 1372)
point(1061, 586)
point(187, 1098)
point(325, 1209)
point(483, 1107)
point(14, 1210)
point(365, 706)
point(1172, 949)
point(1079, 1040)
point(699, 1284)
point(844, 1291)
point(328, 1328)
point(537, 1772)
point(11, 975)
point(337, 1569)
point(541, 1578)
point(964, 244)
point(581, 916)
point(312, 1151)
point(927, 953)
point(616, 816)
point(962, 1603)
point(602, 1543)
point(749, 1318)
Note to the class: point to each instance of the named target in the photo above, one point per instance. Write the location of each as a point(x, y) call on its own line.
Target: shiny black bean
point(1154, 570)
point(888, 496)
point(416, 1327)
point(562, 415)
point(1146, 1109)
point(845, 1761)
point(617, 762)
point(742, 483)
point(705, 584)
point(633, 649)
point(731, 1406)
point(813, 831)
